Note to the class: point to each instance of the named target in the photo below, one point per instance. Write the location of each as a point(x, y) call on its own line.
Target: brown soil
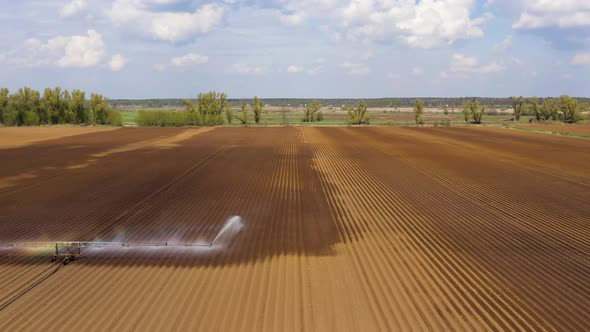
point(344, 229)
point(11, 137)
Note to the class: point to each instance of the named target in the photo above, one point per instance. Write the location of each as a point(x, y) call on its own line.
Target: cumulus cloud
point(73, 8)
point(466, 65)
point(166, 26)
point(82, 51)
point(78, 51)
point(539, 14)
point(581, 59)
point(423, 24)
point(117, 62)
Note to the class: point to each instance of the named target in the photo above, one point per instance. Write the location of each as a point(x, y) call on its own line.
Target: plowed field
point(358, 229)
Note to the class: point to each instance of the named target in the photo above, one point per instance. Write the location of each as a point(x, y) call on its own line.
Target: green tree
point(20, 104)
point(211, 108)
point(358, 114)
point(244, 109)
point(99, 106)
point(55, 106)
point(518, 104)
point(549, 109)
point(445, 110)
point(569, 109)
point(474, 111)
point(229, 114)
point(77, 107)
point(320, 116)
point(535, 108)
point(310, 111)
point(419, 111)
point(4, 93)
point(257, 109)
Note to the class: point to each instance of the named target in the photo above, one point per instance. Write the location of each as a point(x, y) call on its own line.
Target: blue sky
point(298, 48)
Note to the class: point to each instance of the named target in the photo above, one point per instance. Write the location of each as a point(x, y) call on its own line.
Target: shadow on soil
point(178, 195)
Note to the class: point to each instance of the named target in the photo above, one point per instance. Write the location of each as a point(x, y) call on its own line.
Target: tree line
point(452, 102)
point(209, 109)
point(564, 108)
point(27, 107)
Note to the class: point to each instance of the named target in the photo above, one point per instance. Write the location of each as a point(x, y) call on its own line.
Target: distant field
point(577, 129)
point(341, 229)
point(336, 117)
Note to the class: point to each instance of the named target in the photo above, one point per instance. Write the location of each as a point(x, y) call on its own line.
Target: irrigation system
point(66, 251)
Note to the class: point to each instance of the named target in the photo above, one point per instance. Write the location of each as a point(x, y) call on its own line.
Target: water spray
point(70, 250)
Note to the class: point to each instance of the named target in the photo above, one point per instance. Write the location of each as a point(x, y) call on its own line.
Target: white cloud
point(356, 68)
point(465, 65)
point(165, 26)
point(84, 51)
point(295, 69)
point(548, 13)
point(189, 59)
point(117, 62)
point(581, 59)
point(73, 8)
point(248, 69)
point(424, 24)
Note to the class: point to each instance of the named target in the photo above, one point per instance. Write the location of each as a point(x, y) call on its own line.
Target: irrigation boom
point(70, 250)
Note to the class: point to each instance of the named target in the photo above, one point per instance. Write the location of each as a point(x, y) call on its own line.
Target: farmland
point(341, 228)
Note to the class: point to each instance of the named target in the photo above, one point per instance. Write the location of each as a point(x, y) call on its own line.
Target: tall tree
point(55, 106)
point(3, 102)
point(358, 114)
point(257, 108)
point(21, 107)
point(419, 111)
point(99, 106)
point(473, 110)
point(78, 106)
point(310, 111)
point(549, 109)
point(569, 108)
point(211, 107)
point(518, 104)
point(244, 110)
point(229, 114)
point(534, 105)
